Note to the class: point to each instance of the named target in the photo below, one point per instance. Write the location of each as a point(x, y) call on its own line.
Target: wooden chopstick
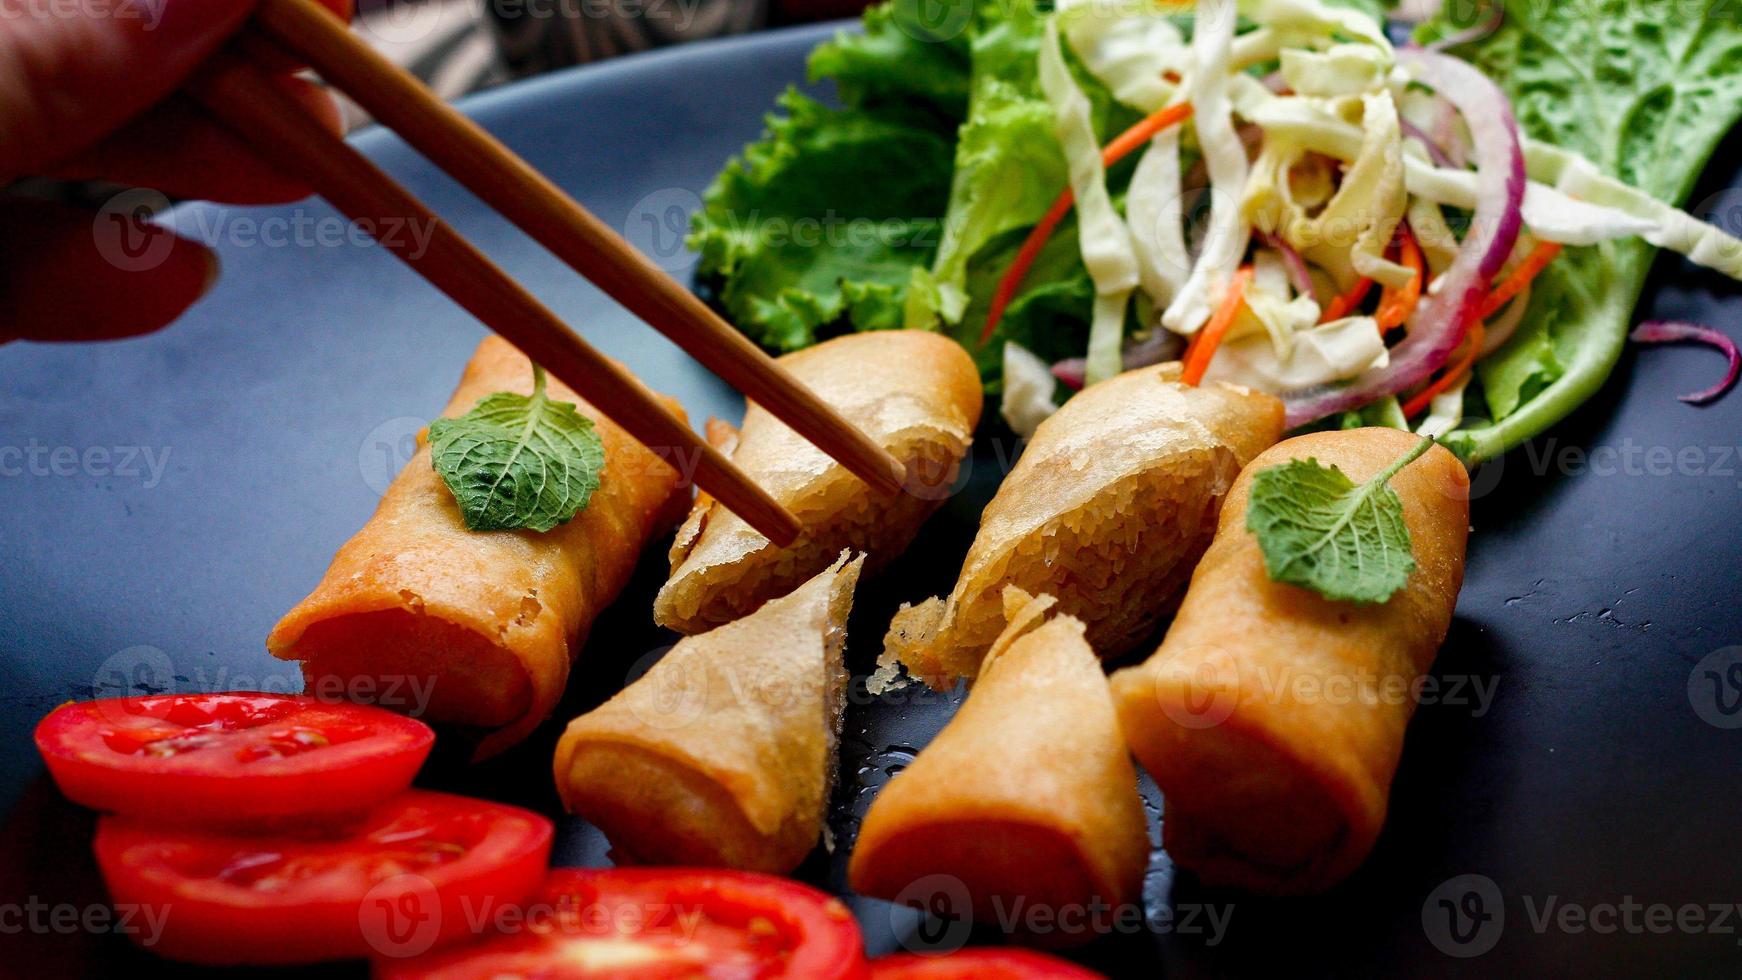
point(249, 102)
point(483, 165)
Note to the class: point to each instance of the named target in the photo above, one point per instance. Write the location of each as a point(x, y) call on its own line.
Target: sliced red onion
point(1449, 135)
point(1161, 345)
point(1443, 317)
point(1474, 32)
point(1434, 150)
point(1501, 328)
point(1298, 275)
point(1671, 331)
point(1072, 372)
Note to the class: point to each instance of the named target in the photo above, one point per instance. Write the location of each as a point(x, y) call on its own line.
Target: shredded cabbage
point(1130, 45)
point(1028, 388)
point(1334, 351)
point(1445, 411)
point(1101, 233)
point(1225, 157)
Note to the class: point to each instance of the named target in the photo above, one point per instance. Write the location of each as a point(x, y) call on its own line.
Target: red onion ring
point(1072, 372)
point(1161, 345)
point(1475, 32)
point(1297, 267)
point(1434, 150)
point(1501, 328)
point(1672, 331)
point(1442, 318)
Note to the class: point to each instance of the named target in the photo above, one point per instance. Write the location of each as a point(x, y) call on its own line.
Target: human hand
point(88, 90)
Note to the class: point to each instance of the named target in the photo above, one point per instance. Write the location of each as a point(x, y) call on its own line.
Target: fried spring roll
point(485, 623)
point(723, 753)
point(1062, 829)
point(1108, 508)
point(1271, 717)
point(916, 393)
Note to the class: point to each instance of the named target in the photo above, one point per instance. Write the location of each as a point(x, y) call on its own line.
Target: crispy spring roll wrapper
point(723, 753)
point(487, 621)
point(916, 393)
point(1062, 828)
point(1267, 788)
point(1107, 509)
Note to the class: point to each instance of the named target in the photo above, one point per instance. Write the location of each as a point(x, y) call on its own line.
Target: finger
point(67, 274)
point(68, 79)
point(178, 149)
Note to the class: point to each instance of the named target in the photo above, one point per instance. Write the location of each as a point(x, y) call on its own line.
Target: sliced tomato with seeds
point(232, 759)
point(416, 872)
point(980, 964)
point(657, 924)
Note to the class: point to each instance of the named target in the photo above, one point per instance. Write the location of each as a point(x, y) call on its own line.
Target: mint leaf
point(1320, 531)
point(518, 462)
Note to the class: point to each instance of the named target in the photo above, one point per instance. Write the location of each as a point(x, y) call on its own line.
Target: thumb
point(71, 73)
point(69, 274)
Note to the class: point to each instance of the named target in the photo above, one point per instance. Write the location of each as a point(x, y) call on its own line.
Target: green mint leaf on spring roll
point(518, 462)
point(1321, 531)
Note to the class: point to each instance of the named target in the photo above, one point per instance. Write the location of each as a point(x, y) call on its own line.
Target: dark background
point(1593, 592)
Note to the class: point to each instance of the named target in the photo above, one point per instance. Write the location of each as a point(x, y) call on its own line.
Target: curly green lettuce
point(818, 226)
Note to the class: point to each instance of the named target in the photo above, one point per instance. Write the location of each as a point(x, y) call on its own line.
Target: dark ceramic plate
point(1582, 749)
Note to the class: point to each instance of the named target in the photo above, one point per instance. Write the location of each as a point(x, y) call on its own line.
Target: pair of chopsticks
point(246, 99)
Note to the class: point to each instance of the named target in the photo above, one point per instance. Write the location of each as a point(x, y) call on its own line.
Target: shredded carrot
point(1520, 277)
point(1395, 305)
point(1112, 153)
point(1203, 347)
point(1143, 131)
point(1502, 293)
point(1473, 341)
point(1025, 256)
point(1345, 304)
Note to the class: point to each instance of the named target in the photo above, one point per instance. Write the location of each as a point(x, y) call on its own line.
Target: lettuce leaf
point(819, 225)
point(896, 62)
point(1643, 89)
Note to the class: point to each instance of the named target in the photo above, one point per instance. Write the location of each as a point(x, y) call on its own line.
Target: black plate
point(1602, 774)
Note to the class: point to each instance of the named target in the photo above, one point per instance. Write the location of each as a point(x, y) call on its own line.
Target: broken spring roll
point(1061, 831)
point(487, 621)
point(1107, 509)
point(1271, 717)
point(916, 393)
point(723, 753)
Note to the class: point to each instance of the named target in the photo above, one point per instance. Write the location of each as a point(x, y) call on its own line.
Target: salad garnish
point(1446, 236)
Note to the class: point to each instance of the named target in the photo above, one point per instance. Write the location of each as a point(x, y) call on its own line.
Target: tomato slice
point(231, 759)
point(417, 871)
point(980, 964)
point(655, 924)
